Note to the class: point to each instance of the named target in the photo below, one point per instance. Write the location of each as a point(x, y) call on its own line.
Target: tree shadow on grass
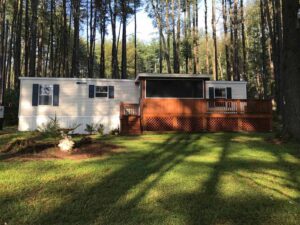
point(209, 205)
point(115, 198)
point(102, 201)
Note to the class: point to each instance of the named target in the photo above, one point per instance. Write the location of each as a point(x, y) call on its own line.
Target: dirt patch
point(96, 149)
point(275, 141)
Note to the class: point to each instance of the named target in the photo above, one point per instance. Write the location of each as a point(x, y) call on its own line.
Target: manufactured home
point(151, 102)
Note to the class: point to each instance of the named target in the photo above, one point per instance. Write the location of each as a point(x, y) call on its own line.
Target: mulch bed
point(85, 149)
point(275, 141)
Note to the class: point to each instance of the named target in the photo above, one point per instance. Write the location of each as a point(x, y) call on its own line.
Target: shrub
point(93, 128)
point(100, 129)
point(11, 104)
point(51, 128)
point(115, 131)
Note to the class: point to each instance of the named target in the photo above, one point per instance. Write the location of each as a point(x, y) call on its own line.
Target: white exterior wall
point(75, 106)
point(239, 88)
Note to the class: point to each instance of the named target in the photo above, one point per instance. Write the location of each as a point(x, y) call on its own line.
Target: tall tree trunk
point(26, 41)
point(215, 38)
point(178, 37)
point(93, 21)
point(102, 14)
point(2, 48)
point(263, 49)
point(168, 34)
point(158, 13)
point(124, 41)
point(188, 35)
point(135, 37)
point(279, 89)
point(114, 53)
point(17, 55)
point(245, 72)
point(231, 25)
point(206, 38)
point(5, 50)
point(236, 75)
point(291, 67)
point(75, 54)
point(195, 36)
point(65, 42)
point(52, 58)
point(175, 55)
point(160, 51)
point(228, 64)
point(34, 19)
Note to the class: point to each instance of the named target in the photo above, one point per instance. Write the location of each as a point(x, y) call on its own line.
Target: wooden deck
point(192, 115)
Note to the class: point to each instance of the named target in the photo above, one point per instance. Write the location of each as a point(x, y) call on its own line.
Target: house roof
point(157, 75)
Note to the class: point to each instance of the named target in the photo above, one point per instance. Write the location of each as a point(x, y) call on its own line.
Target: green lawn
point(160, 179)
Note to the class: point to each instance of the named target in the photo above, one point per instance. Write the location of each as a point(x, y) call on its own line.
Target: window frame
point(218, 97)
point(52, 94)
point(107, 92)
point(147, 97)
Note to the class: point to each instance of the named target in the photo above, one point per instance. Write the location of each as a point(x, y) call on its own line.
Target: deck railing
point(196, 107)
point(128, 109)
point(239, 106)
point(198, 115)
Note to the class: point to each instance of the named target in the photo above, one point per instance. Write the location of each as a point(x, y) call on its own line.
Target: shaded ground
point(47, 151)
point(218, 178)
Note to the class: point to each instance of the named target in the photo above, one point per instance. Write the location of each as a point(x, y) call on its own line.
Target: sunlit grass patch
point(222, 178)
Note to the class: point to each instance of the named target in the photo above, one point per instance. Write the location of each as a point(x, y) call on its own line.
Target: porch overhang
point(145, 76)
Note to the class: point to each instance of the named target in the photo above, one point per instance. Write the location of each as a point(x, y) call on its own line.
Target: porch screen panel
point(174, 89)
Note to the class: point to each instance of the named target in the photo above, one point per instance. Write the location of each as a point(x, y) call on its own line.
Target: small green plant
point(90, 128)
point(115, 131)
point(94, 128)
point(100, 129)
point(51, 128)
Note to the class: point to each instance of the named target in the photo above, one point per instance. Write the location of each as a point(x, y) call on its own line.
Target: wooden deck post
point(240, 124)
point(205, 128)
point(238, 106)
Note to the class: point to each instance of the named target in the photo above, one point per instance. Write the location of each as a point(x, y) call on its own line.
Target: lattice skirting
point(172, 123)
point(256, 124)
point(212, 124)
point(222, 124)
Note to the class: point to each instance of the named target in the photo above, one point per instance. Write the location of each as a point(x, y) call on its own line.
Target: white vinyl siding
point(75, 104)
point(238, 88)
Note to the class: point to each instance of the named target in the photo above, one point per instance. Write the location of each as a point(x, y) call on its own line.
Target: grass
point(222, 178)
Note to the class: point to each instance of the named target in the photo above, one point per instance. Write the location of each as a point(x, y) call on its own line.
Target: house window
point(220, 92)
point(45, 94)
point(101, 92)
point(179, 88)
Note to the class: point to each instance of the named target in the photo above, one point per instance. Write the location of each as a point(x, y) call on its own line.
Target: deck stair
point(130, 119)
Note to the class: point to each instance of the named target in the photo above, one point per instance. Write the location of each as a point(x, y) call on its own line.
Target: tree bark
point(17, 55)
point(236, 75)
point(206, 38)
point(215, 38)
point(263, 49)
point(114, 51)
point(291, 68)
point(175, 51)
point(245, 72)
point(124, 41)
point(228, 64)
point(75, 55)
point(135, 37)
point(33, 31)
point(178, 36)
point(27, 42)
point(168, 30)
point(2, 48)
